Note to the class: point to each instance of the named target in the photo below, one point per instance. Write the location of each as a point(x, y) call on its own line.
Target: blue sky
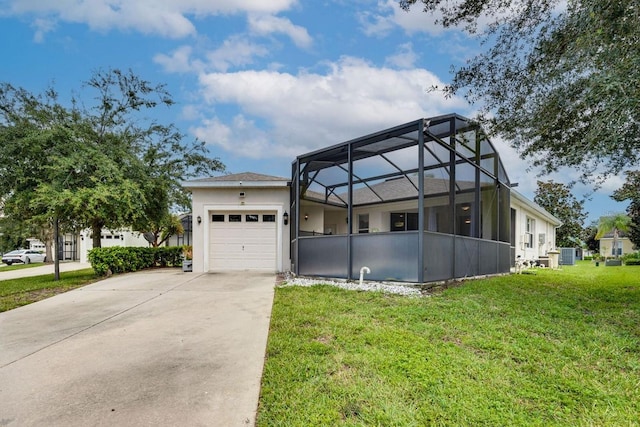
point(260, 81)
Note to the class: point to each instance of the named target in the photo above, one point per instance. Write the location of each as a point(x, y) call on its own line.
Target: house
point(533, 229)
point(240, 222)
point(623, 245)
point(424, 201)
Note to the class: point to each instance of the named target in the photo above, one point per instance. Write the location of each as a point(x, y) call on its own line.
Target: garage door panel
point(242, 245)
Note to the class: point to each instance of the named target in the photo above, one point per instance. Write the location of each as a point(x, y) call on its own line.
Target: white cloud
point(165, 18)
point(390, 15)
point(42, 27)
point(307, 111)
point(405, 58)
point(235, 51)
point(269, 24)
point(179, 61)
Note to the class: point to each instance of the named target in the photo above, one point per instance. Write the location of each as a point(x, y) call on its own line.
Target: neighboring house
point(108, 239)
point(623, 245)
point(74, 247)
point(533, 229)
point(185, 238)
point(363, 203)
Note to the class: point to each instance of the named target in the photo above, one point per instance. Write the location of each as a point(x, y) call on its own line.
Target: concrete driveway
point(159, 348)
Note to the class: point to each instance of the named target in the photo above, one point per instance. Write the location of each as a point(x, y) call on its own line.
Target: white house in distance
point(363, 203)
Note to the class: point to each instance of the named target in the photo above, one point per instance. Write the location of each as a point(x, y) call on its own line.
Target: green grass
point(17, 292)
point(552, 348)
point(4, 267)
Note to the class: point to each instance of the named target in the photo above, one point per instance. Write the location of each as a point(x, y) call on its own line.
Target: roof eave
point(235, 184)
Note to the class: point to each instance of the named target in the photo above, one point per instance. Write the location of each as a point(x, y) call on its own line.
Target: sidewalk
point(41, 269)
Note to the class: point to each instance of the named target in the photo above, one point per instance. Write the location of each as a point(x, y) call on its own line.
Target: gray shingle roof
point(243, 176)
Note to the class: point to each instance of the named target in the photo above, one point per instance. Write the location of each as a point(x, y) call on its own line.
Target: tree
point(613, 223)
point(630, 190)
point(557, 199)
point(95, 165)
point(589, 238)
point(554, 78)
point(161, 231)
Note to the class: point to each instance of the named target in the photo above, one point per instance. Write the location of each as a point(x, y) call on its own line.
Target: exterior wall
point(205, 200)
point(542, 226)
point(110, 239)
point(606, 246)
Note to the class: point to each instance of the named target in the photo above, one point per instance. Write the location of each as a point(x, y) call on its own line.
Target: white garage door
point(242, 241)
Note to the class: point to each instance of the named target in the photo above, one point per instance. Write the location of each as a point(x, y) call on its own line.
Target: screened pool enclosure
point(421, 202)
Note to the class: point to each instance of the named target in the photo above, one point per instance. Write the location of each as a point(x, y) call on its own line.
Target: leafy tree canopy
point(589, 237)
point(558, 79)
point(557, 199)
point(98, 162)
point(630, 190)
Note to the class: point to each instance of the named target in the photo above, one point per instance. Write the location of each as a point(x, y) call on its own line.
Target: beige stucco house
point(623, 245)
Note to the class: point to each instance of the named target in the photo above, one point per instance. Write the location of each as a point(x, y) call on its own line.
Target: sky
point(261, 81)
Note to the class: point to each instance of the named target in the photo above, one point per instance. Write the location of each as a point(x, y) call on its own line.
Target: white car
point(25, 256)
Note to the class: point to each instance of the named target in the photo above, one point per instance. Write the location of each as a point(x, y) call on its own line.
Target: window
point(217, 218)
point(235, 218)
point(404, 221)
point(616, 249)
point(251, 218)
point(363, 223)
point(268, 218)
point(529, 232)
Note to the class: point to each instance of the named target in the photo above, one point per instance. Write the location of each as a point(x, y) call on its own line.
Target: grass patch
point(4, 267)
point(18, 292)
point(555, 348)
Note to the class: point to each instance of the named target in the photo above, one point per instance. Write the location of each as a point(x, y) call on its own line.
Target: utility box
point(567, 256)
point(553, 259)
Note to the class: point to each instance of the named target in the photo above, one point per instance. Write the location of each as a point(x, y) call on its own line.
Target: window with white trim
point(530, 231)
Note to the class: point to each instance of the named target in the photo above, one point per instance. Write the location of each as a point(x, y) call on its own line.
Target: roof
point(536, 208)
point(402, 188)
point(243, 179)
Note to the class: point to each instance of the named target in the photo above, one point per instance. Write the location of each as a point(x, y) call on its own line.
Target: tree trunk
point(96, 234)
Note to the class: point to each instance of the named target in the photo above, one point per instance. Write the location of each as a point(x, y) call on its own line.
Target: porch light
point(199, 219)
point(285, 217)
point(306, 217)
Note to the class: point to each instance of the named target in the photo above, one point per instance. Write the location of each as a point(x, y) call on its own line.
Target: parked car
point(25, 256)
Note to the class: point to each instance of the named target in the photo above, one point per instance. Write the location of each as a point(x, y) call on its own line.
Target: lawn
point(17, 292)
point(4, 267)
point(551, 348)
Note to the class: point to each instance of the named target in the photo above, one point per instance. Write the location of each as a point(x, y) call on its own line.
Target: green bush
point(588, 258)
point(631, 256)
point(632, 261)
point(118, 259)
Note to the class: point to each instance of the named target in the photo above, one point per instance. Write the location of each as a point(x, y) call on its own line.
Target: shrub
point(588, 258)
point(632, 261)
point(118, 259)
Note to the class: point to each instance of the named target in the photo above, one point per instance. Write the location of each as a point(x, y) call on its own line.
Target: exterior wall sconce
point(285, 218)
point(199, 219)
point(306, 216)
